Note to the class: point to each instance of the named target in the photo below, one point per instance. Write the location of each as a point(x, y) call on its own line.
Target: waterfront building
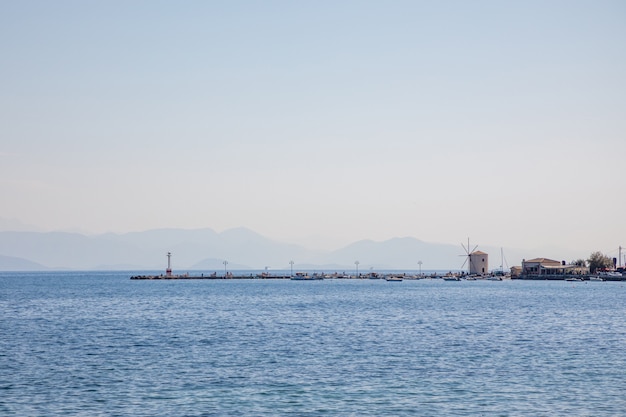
point(540, 266)
point(549, 268)
point(516, 271)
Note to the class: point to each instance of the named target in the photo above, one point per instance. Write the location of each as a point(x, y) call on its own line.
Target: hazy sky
point(319, 121)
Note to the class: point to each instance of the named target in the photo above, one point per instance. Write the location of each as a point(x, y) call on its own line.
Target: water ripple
point(101, 345)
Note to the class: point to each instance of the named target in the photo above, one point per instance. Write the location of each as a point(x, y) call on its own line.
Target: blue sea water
point(99, 344)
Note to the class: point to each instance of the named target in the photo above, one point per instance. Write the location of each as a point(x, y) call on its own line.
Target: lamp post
point(225, 263)
point(357, 268)
point(291, 264)
point(168, 271)
point(420, 264)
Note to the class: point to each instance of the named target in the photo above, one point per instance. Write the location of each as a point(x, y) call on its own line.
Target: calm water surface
point(99, 344)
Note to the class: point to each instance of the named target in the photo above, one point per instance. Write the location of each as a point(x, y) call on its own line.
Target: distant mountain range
point(205, 249)
point(12, 263)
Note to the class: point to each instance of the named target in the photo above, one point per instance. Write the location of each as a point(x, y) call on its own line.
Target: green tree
point(579, 262)
point(598, 260)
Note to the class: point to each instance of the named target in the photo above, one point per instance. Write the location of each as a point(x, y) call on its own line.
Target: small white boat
point(451, 278)
point(609, 274)
point(306, 277)
point(393, 279)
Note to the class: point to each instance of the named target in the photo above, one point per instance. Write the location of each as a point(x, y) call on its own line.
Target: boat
point(611, 276)
point(573, 279)
point(451, 278)
point(393, 279)
point(596, 278)
point(301, 276)
point(493, 278)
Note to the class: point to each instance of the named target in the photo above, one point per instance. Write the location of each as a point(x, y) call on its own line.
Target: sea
point(100, 344)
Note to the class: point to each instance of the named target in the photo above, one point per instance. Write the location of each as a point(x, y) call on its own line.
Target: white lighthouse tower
point(168, 271)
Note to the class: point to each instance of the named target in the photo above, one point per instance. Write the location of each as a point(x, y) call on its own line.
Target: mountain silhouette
point(199, 249)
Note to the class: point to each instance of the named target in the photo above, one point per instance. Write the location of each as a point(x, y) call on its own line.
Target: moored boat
point(494, 278)
point(300, 276)
point(393, 278)
point(611, 276)
point(451, 278)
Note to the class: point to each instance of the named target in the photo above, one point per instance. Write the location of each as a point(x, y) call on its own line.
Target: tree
point(598, 260)
point(579, 262)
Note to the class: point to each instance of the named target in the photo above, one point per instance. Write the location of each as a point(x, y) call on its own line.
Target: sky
point(320, 123)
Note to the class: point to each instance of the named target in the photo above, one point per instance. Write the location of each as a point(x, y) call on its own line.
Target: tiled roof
point(542, 260)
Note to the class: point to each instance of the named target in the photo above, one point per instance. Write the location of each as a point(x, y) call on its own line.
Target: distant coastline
point(205, 250)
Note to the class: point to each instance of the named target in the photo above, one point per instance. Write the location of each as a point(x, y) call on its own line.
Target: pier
point(556, 271)
point(209, 276)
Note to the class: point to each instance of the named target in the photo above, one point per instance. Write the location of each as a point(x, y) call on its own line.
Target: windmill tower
point(477, 261)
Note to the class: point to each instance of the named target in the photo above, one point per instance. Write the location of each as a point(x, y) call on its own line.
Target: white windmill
point(477, 261)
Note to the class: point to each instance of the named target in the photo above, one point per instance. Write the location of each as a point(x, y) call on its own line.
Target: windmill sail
point(468, 256)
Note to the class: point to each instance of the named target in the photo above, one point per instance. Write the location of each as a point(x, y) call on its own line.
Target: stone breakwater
point(210, 276)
